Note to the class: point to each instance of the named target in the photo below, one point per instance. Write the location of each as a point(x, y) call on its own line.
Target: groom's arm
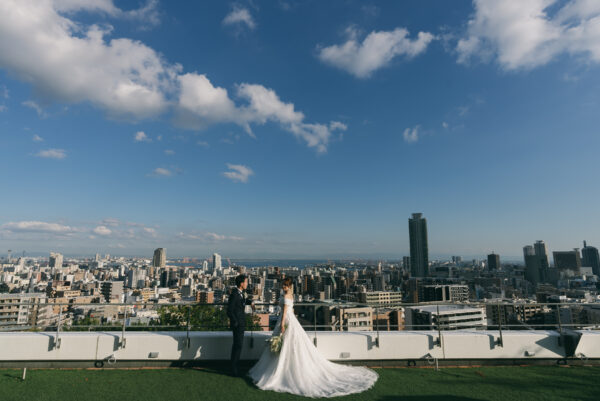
point(231, 309)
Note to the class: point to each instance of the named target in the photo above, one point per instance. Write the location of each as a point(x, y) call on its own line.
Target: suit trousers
point(236, 348)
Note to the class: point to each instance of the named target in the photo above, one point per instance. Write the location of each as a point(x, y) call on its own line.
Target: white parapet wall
point(213, 346)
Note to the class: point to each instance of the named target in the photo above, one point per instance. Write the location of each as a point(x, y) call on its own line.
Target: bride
point(299, 368)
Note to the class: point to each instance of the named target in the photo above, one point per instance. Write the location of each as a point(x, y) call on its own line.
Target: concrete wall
point(212, 346)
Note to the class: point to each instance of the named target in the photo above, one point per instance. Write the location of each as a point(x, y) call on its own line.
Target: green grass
point(485, 383)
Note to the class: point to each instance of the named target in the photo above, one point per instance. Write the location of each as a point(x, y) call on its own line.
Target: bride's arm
point(285, 311)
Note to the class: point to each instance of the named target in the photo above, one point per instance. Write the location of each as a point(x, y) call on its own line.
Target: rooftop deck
point(485, 383)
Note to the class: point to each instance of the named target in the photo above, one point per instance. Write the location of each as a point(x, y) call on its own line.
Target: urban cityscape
point(299, 199)
point(351, 296)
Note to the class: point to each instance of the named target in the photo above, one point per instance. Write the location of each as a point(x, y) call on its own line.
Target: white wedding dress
point(300, 369)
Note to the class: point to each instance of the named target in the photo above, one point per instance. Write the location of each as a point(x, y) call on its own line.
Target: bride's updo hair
point(287, 282)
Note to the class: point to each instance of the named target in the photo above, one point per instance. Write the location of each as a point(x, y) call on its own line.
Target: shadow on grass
point(16, 376)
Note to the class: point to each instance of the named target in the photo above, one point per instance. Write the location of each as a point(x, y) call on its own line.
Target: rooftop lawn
point(485, 383)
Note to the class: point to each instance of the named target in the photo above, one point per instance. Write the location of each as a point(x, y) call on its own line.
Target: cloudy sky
point(298, 129)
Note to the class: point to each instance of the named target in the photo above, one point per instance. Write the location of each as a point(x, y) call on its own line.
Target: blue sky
point(298, 129)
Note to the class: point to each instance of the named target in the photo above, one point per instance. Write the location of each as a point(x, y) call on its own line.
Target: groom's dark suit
point(237, 323)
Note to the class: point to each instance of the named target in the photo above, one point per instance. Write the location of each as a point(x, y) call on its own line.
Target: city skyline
point(259, 130)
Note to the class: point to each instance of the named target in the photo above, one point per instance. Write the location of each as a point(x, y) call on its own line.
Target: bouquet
point(276, 342)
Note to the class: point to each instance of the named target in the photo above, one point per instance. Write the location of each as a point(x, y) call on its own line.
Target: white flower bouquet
point(276, 342)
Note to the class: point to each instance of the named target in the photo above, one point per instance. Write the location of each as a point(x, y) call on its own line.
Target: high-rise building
point(528, 250)
point(205, 297)
point(493, 261)
point(536, 262)
point(533, 268)
point(160, 257)
point(444, 292)
point(216, 261)
point(419, 252)
point(56, 260)
point(567, 260)
point(406, 262)
point(541, 251)
point(591, 258)
point(111, 290)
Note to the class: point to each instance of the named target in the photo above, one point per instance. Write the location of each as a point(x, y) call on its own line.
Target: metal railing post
point(123, 332)
point(252, 328)
point(315, 324)
point(437, 323)
point(377, 325)
point(187, 336)
point(500, 340)
point(57, 339)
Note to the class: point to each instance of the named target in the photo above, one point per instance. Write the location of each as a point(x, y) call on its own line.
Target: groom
point(237, 319)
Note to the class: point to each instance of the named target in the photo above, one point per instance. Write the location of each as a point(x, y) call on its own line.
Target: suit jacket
point(235, 310)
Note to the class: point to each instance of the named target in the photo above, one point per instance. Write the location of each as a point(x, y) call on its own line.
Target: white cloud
point(52, 153)
point(445, 125)
point(102, 230)
point(169, 152)
point(68, 61)
point(239, 16)
point(203, 144)
point(376, 51)
point(111, 221)
point(264, 105)
point(411, 135)
point(33, 105)
point(161, 172)
point(208, 237)
point(201, 104)
point(37, 138)
point(141, 136)
point(337, 125)
point(4, 92)
point(2, 108)
point(150, 231)
point(527, 34)
point(148, 13)
point(238, 173)
point(37, 227)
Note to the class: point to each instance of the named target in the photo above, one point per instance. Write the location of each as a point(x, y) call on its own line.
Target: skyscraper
point(591, 258)
point(528, 251)
point(216, 262)
point(532, 268)
point(493, 261)
point(536, 262)
point(160, 257)
point(419, 252)
point(541, 251)
point(567, 260)
point(55, 260)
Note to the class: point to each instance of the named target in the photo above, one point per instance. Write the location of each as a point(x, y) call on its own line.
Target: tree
point(201, 318)
point(4, 288)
